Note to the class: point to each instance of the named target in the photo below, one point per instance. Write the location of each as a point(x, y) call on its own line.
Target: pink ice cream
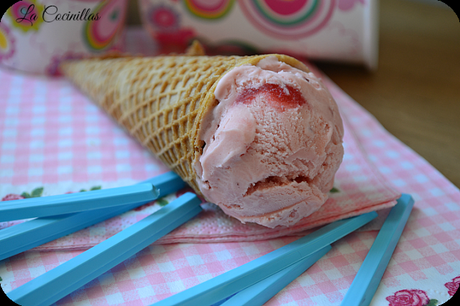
point(273, 144)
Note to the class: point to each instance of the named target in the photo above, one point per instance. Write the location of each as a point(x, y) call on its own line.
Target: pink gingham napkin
point(76, 152)
point(424, 270)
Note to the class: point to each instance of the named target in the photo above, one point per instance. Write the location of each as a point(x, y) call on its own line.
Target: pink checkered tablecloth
point(52, 136)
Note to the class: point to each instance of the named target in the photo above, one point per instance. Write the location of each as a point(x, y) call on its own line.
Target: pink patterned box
point(339, 30)
point(35, 35)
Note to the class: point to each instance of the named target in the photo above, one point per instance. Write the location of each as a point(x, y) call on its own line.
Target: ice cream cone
point(161, 101)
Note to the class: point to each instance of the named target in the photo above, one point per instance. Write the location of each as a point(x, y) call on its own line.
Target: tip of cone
point(195, 49)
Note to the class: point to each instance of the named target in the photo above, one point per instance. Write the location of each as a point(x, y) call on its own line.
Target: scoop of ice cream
point(272, 145)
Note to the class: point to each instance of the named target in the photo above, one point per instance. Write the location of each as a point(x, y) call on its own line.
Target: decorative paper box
point(338, 30)
point(35, 35)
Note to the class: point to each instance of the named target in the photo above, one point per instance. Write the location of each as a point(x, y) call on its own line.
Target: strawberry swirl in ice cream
point(272, 144)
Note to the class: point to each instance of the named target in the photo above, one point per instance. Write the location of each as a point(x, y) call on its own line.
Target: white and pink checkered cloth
point(52, 136)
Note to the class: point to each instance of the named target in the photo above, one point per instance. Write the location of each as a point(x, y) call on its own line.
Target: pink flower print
point(345, 5)
point(184, 190)
point(413, 297)
point(26, 15)
point(7, 42)
point(189, 189)
point(453, 285)
point(12, 197)
point(37, 192)
point(163, 18)
point(175, 41)
point(142, 207)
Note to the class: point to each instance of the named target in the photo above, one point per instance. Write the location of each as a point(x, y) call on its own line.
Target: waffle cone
point(161, 101)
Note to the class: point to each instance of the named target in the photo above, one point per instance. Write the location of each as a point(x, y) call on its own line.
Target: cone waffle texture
point(162, 100)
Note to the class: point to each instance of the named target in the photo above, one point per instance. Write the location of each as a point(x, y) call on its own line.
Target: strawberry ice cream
point(272, 144)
